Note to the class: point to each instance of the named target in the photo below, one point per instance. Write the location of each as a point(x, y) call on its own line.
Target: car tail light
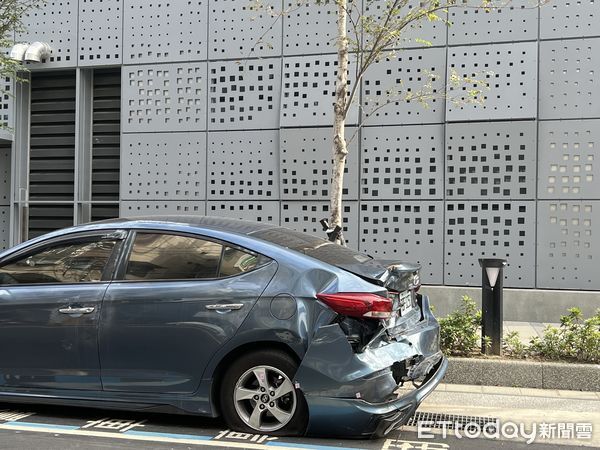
point(358, 304)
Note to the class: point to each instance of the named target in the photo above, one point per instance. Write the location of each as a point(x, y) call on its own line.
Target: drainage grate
point(454, 421)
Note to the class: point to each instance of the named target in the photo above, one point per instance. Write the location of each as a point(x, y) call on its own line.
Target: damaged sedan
point(278, 332)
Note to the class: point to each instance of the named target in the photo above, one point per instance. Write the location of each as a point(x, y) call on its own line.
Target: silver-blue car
point(279, 332)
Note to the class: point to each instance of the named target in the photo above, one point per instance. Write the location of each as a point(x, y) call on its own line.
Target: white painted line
point(138, 437)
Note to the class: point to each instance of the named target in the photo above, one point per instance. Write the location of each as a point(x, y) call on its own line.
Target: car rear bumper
point(357, 394)
point(357, 418)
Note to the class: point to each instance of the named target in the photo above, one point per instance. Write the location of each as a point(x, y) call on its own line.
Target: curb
point(526, 374)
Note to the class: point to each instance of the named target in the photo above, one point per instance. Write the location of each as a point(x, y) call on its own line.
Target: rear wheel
point(257, 395)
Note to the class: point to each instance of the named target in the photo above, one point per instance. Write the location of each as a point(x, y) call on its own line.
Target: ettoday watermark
point(495, 429)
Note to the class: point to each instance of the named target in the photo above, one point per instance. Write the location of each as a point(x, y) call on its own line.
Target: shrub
point(459, 331)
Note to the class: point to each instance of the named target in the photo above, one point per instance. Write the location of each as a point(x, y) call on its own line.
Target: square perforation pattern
point(100, 32)
point(490, 230)
point(6, 104)
point(5, 176)
point(432, 31)
point(308, 91)
point(164, 97)
point(243, 165)
point(569, 18)
point(158, 31)
point(164, 166)
point(55, 22)
point(246, 95)
point(263, 211)
point(402, 162)
point(569, 159)
point(568, 244)
point(4, 227)
point(403, 231)
point(312, 28)
point(387, 82)
point(238, 31)
point(305, 217)
point(131, 208)
point(306, 164)
point(491, 160)
point(511, 21)
point(511, 72)
point(569, 84)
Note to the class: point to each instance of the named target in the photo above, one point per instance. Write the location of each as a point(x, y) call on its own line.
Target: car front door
point(179, 299)
point(50, 299)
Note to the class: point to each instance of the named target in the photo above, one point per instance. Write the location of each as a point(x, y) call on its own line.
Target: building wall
point(217, 121)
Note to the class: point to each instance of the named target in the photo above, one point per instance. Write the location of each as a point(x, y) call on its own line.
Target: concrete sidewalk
point(527, 330)
point(531, 407)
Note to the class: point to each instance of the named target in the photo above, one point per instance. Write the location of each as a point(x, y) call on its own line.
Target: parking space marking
point(149, 436)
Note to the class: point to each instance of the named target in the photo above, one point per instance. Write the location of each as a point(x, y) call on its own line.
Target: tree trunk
point(340, 150)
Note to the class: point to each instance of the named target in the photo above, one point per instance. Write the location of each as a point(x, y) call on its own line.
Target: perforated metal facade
point(227, 111)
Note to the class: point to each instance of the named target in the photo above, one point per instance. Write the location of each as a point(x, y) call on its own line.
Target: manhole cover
point(454, 421)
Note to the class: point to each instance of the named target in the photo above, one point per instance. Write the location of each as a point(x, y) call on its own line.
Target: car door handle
point(225, 306)
point(82, 310)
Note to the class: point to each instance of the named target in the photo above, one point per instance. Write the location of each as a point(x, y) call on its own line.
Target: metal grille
point(454, 421)
point(106, 142)
point(52, 157)
point(100, 32)
point(6, 103)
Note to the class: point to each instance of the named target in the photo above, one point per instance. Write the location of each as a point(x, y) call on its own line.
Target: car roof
point(217, 223)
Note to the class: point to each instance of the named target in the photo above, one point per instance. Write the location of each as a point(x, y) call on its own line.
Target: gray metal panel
point(5, 164)
point(402, 162)
point(490, 229)
point(568, 244)
point(312, 28)
point(308, 91)
point(236, 30)
point(242, 165)
point(168, 32)
point(259, 211)
point(510, 70)
point(433, 32)
point(569, 85)
point(100, 32)
point(4, 227)
point(407, 230)
point(133, 208)
point(160, 166)
point(406, 72)
point(306, 164)
point(246, 95)
point(7, 103)
point(569, 18)
point(169, 97)
point(55, 22)
point(569, 155)
point(513, 21)
point(304, 216)
point(491, 160)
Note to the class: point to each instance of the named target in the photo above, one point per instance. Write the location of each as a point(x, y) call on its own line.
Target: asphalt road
point(59, 428)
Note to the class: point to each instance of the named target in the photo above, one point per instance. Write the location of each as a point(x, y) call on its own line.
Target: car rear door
point(177, 300)
point(50, 298)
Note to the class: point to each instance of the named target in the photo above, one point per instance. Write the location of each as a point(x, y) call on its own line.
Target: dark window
point(236, 261)
point(75, 262)
point(172, 257)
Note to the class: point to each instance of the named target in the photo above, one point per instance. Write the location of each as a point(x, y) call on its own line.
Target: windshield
point(312, 246)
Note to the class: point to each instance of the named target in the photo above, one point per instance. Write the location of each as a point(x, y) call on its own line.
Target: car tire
point(258, 395)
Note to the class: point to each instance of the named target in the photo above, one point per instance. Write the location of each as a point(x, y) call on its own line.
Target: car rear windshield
point(312, 246)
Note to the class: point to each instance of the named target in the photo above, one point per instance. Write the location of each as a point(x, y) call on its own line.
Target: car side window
point(74, 262)
point(236, 261)
point(157, 256)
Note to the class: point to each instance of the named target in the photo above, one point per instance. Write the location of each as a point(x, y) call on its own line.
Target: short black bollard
point(491, 303)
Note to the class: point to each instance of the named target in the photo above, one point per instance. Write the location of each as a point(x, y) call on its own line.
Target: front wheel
point(257, 395)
